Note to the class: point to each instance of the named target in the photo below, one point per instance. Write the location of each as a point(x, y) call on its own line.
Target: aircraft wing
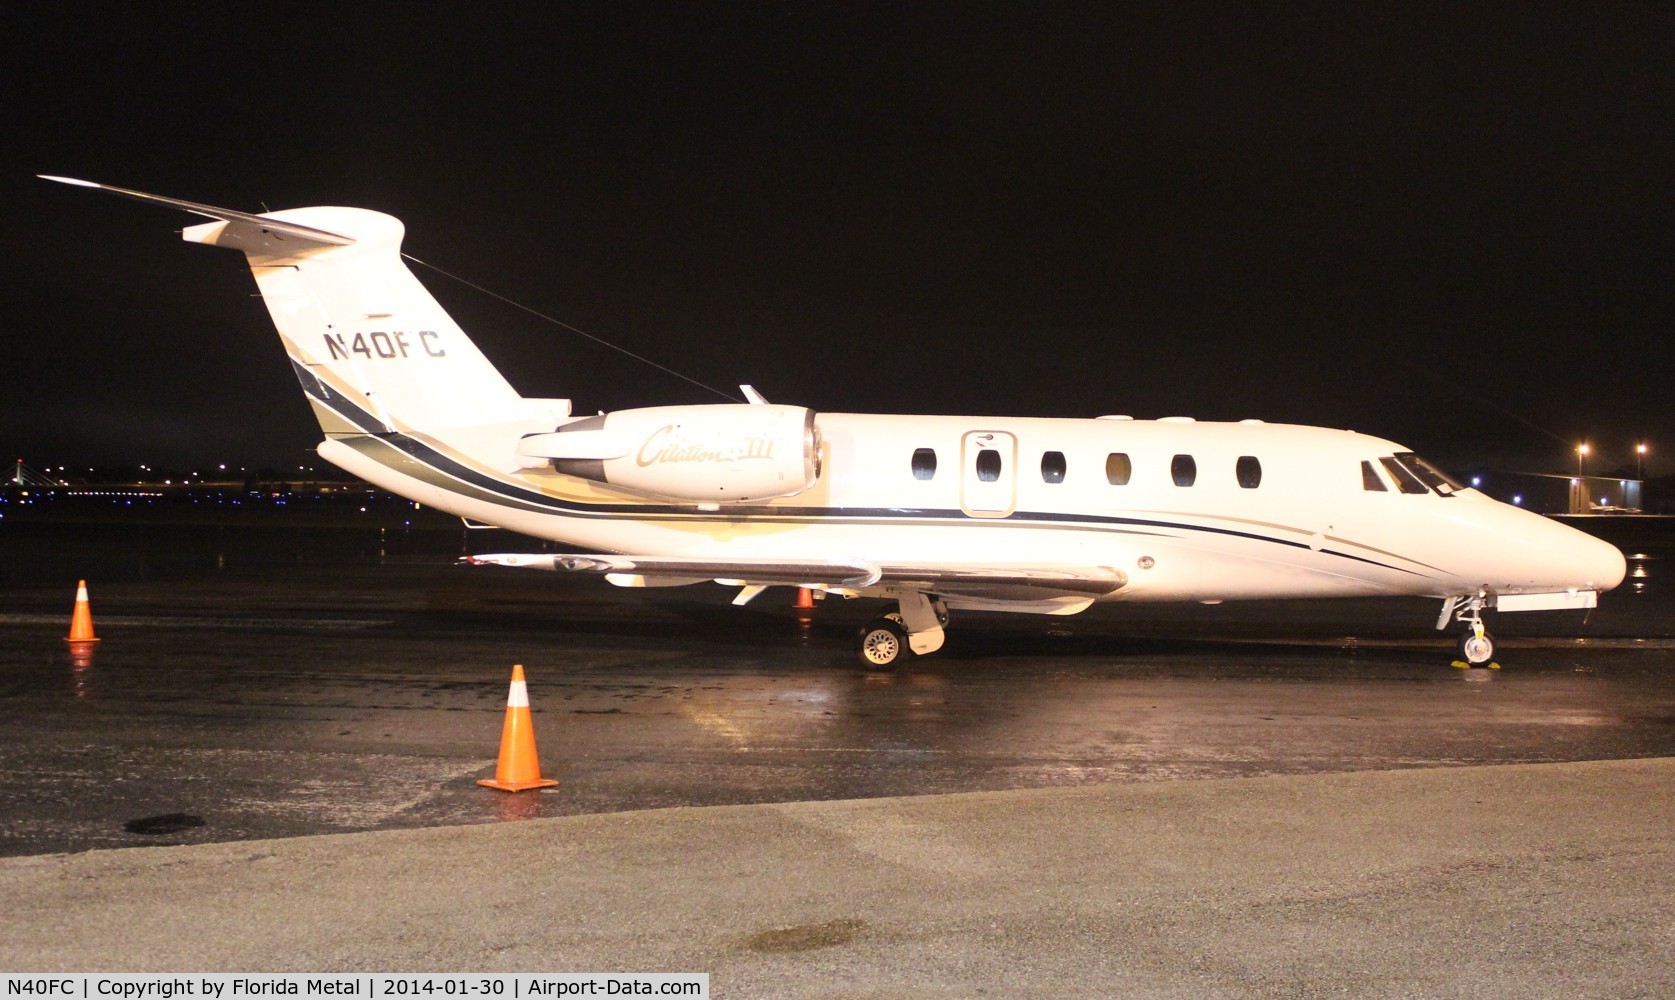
point(1091, 581)
point(833, 573)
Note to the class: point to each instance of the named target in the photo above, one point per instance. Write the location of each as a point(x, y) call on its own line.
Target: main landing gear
point(915, 630)
point(1476, 647)
point(882, 643)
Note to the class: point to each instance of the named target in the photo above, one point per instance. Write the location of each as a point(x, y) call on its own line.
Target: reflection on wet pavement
point(297, 700)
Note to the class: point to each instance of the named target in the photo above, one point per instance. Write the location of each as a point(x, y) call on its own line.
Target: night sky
point(1451, 227)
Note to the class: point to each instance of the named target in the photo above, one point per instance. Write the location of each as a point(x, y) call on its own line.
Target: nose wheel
point(1477, 647)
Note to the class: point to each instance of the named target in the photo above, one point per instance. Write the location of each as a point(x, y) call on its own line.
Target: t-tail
point(374, 351)
point(409, 403)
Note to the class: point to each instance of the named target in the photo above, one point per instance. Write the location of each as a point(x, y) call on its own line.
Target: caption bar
point(365, 986)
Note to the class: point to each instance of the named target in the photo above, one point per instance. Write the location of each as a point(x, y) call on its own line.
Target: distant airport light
point(1477, 481)
point(1517, 498)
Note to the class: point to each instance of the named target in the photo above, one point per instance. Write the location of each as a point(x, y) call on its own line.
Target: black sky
point(1450, 226)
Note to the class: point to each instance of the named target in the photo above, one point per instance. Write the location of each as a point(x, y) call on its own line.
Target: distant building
point(1548, 494)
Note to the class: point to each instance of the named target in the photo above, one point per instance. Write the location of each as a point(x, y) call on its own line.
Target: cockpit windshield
point(1425, 472)
point(1406, 481)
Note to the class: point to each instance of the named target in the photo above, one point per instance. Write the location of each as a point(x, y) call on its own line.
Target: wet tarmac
point(356, 684)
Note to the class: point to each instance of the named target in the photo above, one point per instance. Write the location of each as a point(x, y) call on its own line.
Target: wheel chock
point(1460, 665)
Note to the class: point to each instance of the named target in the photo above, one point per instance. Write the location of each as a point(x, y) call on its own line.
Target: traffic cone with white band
point(81, 620)
point(519, 768)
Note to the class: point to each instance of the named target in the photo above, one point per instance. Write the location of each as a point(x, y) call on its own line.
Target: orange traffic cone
point(81, 621)
point(805, 599)
point(519, 768)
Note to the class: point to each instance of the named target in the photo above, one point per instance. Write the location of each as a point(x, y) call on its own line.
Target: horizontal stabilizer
point(268, 223)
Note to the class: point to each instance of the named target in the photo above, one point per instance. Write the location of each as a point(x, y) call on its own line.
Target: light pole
point(1581, 453)
point(1640, 461)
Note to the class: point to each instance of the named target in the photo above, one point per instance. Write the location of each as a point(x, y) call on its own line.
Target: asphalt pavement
point(1507, 881)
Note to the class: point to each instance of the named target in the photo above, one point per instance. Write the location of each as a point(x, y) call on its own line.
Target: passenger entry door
point(988, 473)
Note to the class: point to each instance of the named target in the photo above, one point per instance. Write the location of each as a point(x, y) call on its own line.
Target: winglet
point(224, 214)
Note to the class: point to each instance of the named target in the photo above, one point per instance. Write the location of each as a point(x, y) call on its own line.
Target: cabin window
point(924, 463)
point(1249, 470)
point(1184, 469)
point(1052, 467)
point(988, 465)
point(1405, 480)
point(1118, 469)
point(1370, 480)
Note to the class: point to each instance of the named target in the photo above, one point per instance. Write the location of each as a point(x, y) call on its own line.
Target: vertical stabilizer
point(372, 349)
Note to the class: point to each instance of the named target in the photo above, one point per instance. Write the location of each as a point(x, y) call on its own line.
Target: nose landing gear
point(1477, 647)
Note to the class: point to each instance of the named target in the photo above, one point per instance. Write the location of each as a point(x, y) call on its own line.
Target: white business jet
point(937, 513)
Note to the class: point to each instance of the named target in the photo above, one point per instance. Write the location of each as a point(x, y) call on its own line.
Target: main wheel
point(1477, 650)
point(882, 643)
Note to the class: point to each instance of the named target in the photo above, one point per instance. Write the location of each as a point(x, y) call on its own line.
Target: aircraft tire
point(881, 644)
point(1477, 652)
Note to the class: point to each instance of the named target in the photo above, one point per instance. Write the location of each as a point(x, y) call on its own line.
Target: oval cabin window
point(1250, 472)
point(1052, 467)
point(924, 463)
point(1184, 469)
point(1118, 469)
point(988, 465)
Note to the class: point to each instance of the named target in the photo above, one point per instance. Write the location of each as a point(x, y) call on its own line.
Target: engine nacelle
point(726, 453)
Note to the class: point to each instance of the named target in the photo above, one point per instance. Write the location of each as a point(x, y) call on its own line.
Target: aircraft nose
point(1605, 564)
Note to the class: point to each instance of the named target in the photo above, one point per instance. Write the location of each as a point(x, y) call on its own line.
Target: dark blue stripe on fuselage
point(427, 455)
